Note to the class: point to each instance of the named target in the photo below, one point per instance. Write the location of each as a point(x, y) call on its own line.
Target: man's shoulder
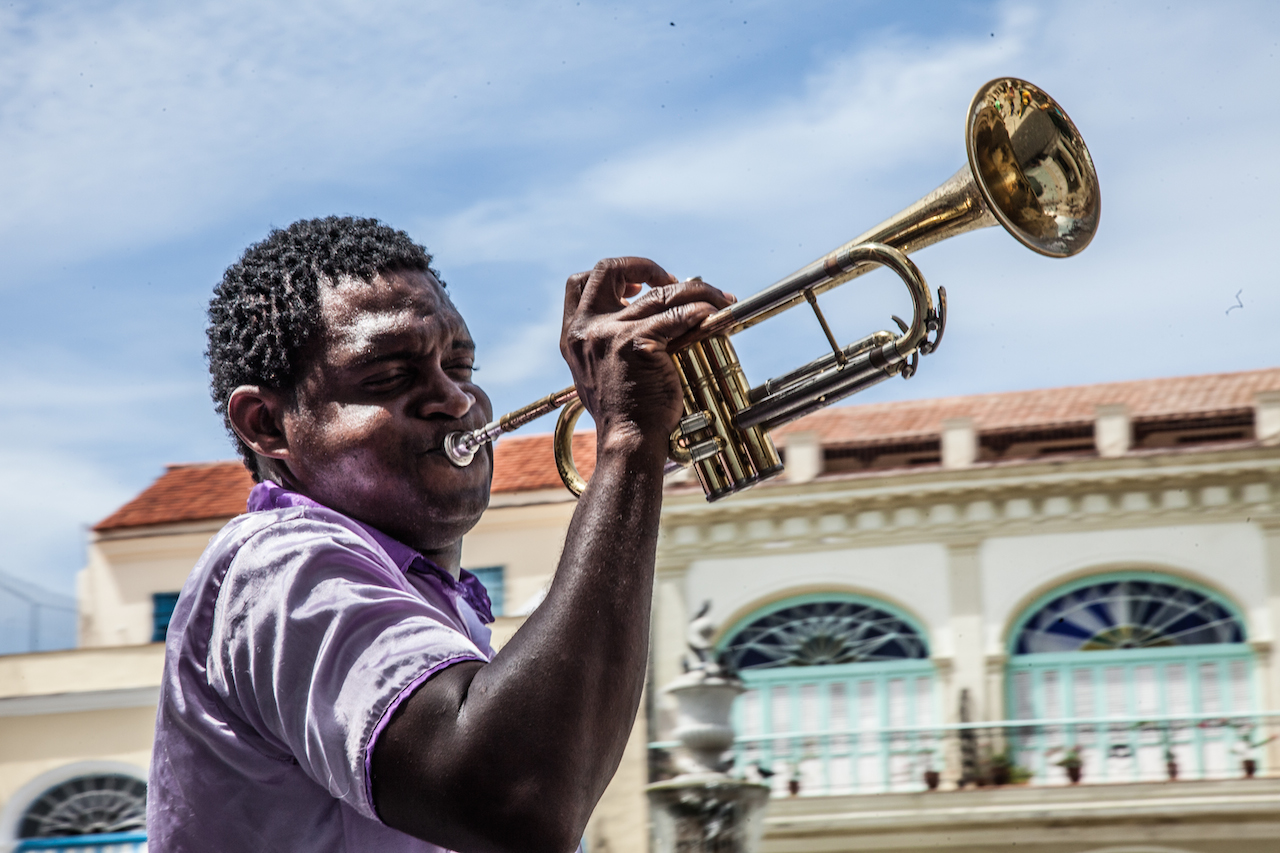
point(263, 555)
point(274, 540)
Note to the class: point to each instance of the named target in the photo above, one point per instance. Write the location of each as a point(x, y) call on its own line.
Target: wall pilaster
point(964, 576)
point(667, 641)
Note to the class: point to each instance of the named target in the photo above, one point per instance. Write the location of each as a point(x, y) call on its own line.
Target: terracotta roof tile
point(1148, 398)
point(525, 463)
point(186, 493)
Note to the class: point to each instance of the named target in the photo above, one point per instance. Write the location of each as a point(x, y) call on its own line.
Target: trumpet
point(1028, 170)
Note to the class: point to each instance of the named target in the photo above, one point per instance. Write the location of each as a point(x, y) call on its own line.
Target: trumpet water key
point(1028, 170)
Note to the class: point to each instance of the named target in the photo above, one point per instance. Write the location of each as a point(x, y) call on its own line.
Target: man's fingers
point(674, 322)
point(573, 292)
point(661, 299)
point(607, 285)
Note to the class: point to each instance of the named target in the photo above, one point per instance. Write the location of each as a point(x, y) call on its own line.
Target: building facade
point(988, 596)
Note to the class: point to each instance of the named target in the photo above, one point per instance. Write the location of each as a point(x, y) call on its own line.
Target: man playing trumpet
point(329, 683)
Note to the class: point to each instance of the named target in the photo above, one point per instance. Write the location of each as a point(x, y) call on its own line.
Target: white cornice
point(1109, 475)
point(977, 503)
point(210, 526)
point(88, 700)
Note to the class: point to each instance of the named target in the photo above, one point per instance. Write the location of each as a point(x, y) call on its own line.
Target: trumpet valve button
point(705, 449)
point(690, 424)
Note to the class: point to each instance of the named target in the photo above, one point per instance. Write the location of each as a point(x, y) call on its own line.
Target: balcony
point(115, 842)
point(1035, 753)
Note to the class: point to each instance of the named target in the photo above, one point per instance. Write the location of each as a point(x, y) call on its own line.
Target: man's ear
point(257, 416)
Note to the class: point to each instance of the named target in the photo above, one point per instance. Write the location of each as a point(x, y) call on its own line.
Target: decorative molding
point(977, 503)
point(944, 665)
point(210, 526)
point(88, 700)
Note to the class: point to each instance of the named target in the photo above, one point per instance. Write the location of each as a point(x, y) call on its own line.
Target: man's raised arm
point(514, 754)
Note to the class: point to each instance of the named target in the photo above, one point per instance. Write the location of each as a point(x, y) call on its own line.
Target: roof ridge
point(207, 463)
point(191, 491)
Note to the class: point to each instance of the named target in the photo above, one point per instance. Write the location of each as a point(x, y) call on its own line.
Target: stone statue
point(705, 809)
point(701, 656)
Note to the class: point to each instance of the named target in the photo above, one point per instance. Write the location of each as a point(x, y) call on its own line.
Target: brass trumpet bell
point(1028, 170)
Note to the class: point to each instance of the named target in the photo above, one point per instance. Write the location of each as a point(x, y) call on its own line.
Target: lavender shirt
point(296, 637)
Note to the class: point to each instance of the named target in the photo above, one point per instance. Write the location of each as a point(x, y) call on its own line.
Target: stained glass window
point(833, 663)
point(824, 632)
point(1128, 614)
point(88, 805)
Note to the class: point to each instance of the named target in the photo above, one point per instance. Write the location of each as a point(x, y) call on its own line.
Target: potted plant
point(1073, 764)
point(1001, 768)
point(1005, 771)
point(932, 778)
point(1170, 758)
point(1247, 746)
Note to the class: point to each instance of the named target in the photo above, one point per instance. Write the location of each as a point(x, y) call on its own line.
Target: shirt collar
point(269, 495)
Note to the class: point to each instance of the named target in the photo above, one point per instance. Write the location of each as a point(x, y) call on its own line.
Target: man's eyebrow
point(390, 346)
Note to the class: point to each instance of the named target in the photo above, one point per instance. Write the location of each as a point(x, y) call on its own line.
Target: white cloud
point(522, 138)
point(1174, 103)
point(134, 123)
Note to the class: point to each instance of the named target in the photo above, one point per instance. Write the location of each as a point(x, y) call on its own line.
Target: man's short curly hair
point(267, 308)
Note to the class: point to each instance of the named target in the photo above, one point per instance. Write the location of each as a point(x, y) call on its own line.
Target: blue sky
point(144, 145)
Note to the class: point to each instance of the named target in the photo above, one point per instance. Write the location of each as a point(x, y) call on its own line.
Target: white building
point(1095, 570)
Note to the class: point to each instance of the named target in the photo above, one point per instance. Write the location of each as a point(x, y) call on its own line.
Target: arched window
point(1136, 670)
point(824, 632)
point(1128, 613)
point(107, 811)
point(838, 686)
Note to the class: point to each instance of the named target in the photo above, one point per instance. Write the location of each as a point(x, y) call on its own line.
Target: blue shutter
point(492, 578)
point(161, 611)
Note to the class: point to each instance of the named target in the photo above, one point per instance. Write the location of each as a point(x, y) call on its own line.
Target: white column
point(1271, 677)
point(959, 443)
point(1266, 416)
point(804, 457)
point(1112, 432)
point(969, 669)
point(667, 641)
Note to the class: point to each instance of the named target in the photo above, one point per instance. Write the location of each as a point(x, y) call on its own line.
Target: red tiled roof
point(1179, 396)
point(525, 463)
point(186, 493)
point(207, 490)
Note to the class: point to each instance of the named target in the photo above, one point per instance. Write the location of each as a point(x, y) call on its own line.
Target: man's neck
point(449, 559)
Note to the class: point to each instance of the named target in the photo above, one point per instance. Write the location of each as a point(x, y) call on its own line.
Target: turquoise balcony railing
point(115, 842)
point(1034, 752)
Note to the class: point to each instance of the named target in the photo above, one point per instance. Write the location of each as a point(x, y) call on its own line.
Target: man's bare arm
point(514, 754)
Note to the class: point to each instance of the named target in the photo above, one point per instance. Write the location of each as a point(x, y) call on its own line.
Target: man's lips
point(436, 447)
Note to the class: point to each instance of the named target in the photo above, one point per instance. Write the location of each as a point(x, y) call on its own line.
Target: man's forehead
point(359, 315)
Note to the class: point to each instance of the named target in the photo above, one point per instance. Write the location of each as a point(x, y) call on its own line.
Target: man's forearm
point(583, 651)
point(515, 753)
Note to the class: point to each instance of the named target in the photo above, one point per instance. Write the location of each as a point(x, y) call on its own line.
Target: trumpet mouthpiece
point(460, 448)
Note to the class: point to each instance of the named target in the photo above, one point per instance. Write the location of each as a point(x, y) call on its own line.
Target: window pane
point(494, 581)
point(162, 604)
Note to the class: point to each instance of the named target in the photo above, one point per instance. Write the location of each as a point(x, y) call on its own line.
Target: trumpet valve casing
point(727, 459)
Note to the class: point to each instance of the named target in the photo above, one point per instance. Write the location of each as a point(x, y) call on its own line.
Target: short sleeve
point(316, 638)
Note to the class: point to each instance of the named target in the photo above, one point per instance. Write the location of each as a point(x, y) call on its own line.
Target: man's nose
point(448, 398)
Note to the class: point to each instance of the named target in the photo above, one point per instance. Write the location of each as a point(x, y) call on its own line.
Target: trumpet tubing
point(1028, 170)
